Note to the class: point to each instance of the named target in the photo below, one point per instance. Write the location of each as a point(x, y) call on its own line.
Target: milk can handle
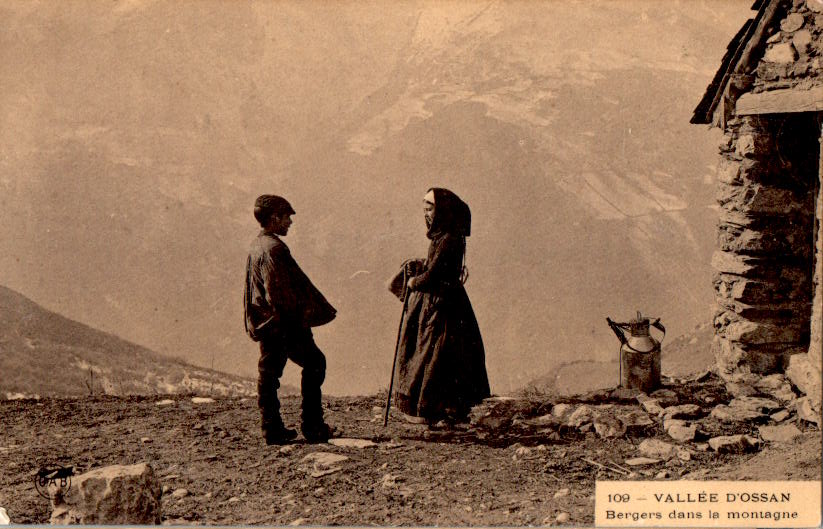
point(659, 326)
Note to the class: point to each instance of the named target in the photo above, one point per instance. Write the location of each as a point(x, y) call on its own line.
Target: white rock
point(561, 411)
point(682, 433)
point(560, 493)
point(757, 404)
point(164, 402)
point(287, 449)
point(652, 406)
point(202, 400)
point(324, 463)
point(581, 416)
point(635, 419)
point(233, 499)
point(642, 461)
point(522, 451)
point(805, 375)
point(352, 443)
point(815, 5)
point(804, 410)
point(180, 493)
point(684, 411)
point(4, 517)
point(299, 521)
point(668, 423)
point(146, 440)
point(608, 427)
point(113, 495)
point(724, 413)
point(733, 444)
point(782, 53)
point(665, 397)
point(780, 416)
point(563, 518)
point(792, 23)
point(655, 448)
point(663, 474)
point(779, 434)
point(802, 40)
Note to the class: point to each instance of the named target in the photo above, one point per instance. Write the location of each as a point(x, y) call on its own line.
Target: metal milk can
point(639, 353)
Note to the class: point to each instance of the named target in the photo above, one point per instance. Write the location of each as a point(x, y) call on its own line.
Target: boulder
point(684, 411)
point(634, 420)
point(733, 444)
point(682, 433)
point(608, 426)
point(665, 397)
point(783, 53)
point(346, 442)
point(656, 449)
point(757, 404)
point(113, 495)
point(582, 415)
point(724, 413)
point(806, 376)
point(562, 411)
point(651, 406)
point(792, 23)
point(780, 416)
point(805, 410)
point(779, 434)
point(641, 461)
point(319, 464)
point(740, 389)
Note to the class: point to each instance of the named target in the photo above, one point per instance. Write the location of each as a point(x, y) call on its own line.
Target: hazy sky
point(136, 134)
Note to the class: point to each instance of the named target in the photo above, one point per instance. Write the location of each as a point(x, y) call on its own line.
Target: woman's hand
point(410, 283)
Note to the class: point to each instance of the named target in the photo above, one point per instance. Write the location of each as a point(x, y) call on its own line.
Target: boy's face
point(279, 224)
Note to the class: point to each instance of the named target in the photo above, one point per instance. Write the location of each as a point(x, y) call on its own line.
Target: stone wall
point(765, 256)
point(792, 57)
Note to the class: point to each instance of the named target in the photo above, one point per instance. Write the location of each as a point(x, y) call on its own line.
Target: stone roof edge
point(737, 56)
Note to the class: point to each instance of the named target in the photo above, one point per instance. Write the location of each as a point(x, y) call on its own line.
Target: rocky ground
point(526, 461)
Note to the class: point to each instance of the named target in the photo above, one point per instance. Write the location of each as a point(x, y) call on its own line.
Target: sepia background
point(135, 136)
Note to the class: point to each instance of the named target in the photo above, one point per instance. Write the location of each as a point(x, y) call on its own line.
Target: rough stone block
point(759, 199)
point(805, 376)
point(758, 404)
point(749, 332)
point(683, 411)
point(113, 495)
point(802, 40)
point(682, 433)
point(732, 263)
point(792, 23)
point(656, 449)
point(733, 444)
point(728, 172)
point(783, 53)
point(724, 413)
point(784, 433)
point(815, 5)
point(745, 145)
point(728, 356)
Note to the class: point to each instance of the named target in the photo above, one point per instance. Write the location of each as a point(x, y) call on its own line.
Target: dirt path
point(411, 477)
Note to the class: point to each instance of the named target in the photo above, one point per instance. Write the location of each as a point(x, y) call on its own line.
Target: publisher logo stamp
point(56, 476)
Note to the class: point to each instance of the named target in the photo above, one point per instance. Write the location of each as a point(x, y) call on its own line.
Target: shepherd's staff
point(405, 294)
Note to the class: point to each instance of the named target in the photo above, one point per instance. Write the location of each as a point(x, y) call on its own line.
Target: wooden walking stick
point(397, 346)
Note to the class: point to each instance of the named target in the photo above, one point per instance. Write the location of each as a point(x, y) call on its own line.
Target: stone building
point(767, 96)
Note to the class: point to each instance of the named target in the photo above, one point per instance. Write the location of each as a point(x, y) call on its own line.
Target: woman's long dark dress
point(441, 370)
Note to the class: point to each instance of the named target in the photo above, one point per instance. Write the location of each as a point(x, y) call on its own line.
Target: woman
point(441, 370)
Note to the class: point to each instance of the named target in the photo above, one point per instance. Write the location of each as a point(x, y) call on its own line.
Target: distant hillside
point(43, 353)
point(683, 355)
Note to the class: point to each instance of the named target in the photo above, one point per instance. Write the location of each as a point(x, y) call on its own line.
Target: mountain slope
point(43, 353)
point(138, 135)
